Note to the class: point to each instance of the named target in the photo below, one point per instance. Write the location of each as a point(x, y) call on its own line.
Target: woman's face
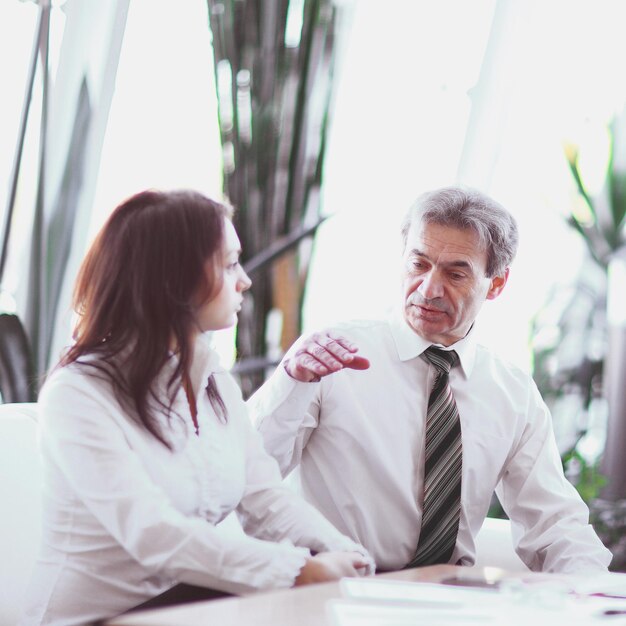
point(221, 310)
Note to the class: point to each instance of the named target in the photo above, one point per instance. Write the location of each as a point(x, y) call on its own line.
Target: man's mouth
point(430, 308)
point(427, 311)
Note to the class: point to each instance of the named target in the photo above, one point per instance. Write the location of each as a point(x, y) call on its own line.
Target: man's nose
point(431, 286)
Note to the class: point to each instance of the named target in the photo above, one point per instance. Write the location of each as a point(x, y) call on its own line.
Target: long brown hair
point(134, 295)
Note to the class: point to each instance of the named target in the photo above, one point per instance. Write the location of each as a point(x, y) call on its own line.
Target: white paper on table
point(366, 613)
point(375, 602)
point(360, 613)
point(609, 583)
point(428, 594)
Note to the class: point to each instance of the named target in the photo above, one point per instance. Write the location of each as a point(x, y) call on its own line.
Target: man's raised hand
point(321, 354)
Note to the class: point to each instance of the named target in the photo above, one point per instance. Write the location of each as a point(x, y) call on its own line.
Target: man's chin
point(427, 329)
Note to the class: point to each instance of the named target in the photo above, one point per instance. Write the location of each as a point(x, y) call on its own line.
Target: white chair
point(20, 497)
point(494, 546)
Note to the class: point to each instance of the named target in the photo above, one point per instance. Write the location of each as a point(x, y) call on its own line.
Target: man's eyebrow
point(457, 263)
point(418, 252)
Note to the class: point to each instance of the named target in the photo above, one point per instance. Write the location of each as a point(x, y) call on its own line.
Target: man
point(361, 429)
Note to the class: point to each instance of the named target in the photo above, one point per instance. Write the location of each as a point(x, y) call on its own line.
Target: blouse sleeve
point(271, 510)
point(80, 431)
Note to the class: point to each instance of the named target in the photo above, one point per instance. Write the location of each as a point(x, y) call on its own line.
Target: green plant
point(569, 334)
point(274, 75)
point(583, 474)
point(570, 339)
point(602, 224)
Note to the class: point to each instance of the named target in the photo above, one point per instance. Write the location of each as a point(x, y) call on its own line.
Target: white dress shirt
point(124, 518)
point(358, 437)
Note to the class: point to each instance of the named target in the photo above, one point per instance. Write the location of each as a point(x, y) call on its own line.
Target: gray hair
point(465, 208)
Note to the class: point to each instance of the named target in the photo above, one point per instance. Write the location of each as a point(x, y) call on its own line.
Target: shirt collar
point(410, 345)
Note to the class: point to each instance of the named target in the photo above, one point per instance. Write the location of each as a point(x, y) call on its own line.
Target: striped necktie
point(442, 471)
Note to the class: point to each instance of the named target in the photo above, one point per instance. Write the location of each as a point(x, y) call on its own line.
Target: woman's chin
point(228, 323)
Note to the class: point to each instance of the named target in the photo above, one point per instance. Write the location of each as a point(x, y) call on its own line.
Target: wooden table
point(304, 606)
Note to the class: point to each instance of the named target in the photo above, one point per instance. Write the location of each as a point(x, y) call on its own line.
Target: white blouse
point(124, 518)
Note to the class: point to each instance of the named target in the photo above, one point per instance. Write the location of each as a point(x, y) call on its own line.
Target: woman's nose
point(244, 281)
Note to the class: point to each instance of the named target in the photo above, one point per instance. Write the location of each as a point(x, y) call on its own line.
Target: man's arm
point(550, 522)
point(286, 408)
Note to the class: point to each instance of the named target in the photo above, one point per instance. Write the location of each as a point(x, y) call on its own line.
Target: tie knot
point(443, 360)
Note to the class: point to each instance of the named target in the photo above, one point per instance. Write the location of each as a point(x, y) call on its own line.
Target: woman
point(147, 445)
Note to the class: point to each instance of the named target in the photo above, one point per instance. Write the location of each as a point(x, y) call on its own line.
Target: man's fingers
point(322, 354)
point(358, 363)
point(338, 350)
point(305, 370)
point(329, 356)
point(342, 341)
point(331, 349)
point(315, 357)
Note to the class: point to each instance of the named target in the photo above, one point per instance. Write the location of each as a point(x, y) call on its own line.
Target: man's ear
point(497, 285)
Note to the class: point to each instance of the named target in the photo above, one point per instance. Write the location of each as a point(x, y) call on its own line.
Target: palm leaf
point(573, 166)
point(617, 176)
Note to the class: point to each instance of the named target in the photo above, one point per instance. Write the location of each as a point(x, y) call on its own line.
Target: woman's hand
point(327, 566)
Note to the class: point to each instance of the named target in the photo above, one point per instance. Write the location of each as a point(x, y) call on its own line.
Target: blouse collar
point(204, 363)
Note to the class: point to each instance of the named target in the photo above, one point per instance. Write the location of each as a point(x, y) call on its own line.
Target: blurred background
point(321, 122)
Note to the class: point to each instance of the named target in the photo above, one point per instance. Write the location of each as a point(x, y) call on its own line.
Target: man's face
point(444, 281)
